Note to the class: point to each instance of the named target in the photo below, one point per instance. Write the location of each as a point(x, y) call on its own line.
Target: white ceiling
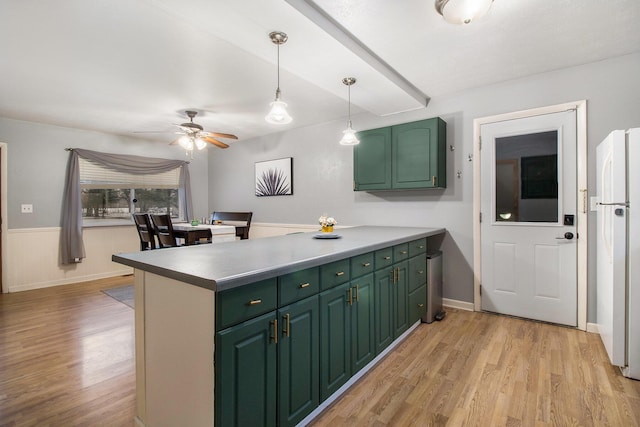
point(125, 66)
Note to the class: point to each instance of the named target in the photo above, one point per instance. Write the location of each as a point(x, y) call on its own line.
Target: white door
point(611, 248)
point(529, 222)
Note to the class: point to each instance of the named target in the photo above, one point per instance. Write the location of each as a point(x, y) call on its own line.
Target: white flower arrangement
point(326, 221)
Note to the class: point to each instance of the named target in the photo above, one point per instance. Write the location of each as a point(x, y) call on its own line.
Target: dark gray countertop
point(221, 266)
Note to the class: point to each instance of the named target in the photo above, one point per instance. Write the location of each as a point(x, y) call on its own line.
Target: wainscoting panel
point(33, 256)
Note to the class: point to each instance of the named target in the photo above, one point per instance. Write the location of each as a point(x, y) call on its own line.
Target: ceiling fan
point(194, 135)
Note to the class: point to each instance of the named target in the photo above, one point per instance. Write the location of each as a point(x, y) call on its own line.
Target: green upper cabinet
point(406, 156)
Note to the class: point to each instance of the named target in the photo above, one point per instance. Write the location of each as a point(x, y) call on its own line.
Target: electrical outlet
point(26, 208)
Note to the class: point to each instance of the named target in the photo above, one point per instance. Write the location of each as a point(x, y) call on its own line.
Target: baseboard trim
point(461, 305)
point(70, 280)
point(593, 328)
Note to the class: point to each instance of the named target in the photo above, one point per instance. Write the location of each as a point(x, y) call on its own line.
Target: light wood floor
point(66, 359)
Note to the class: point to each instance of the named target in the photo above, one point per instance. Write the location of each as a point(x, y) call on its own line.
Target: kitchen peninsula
point(278, 326)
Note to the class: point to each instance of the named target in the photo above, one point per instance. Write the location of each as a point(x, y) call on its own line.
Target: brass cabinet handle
point(304, 285)
point(420, 305)
point(287, 325)
point(274, 338)
point(387, 258)
point(366, 264)
point(421, 272)
point(340, 273)
point(421, 247)
point(357, 299)
point(403, 252)
point(433, 180)
point(255, 302)
point(350, 296)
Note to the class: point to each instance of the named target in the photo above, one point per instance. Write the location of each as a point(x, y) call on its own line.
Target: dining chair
point(164, 230)
point(242, 231)
point(146, 231)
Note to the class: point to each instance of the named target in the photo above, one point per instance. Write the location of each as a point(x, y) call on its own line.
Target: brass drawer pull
point(403, 252)
point(366, 264)
point(357, 299)
point(287, 325)
point(421, 247)
point(255, 302)
point(420, 305)
point(304, 285)
point(387, 258)
point(433, 180)
point(421, 272)
point(340, 273)
point(274, 338)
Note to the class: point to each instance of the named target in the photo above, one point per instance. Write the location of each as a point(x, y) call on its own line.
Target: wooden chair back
point(164, 230)
point(242, 231)
point(146, 231)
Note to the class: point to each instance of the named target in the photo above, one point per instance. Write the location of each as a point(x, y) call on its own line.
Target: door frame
point(3, 217)
point(581, 191)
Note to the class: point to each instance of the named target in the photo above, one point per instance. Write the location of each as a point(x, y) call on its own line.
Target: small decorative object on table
point(327, 223)
point(195, 222)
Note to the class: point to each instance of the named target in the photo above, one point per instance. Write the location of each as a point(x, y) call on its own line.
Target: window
point(111, 197)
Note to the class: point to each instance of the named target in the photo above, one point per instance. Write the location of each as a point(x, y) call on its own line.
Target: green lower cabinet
point(298, 361)
point(335, 354)
point(383, 307)
point(346, 332)
point(417, 304)
point(363, 348)
point(245, 374)
point(400, 294)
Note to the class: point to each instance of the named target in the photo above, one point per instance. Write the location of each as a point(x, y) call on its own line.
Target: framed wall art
point(274, 177)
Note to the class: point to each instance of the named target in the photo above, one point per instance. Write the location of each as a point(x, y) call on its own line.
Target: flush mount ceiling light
point(278, 114)
point(462, 11)
point(349, 137)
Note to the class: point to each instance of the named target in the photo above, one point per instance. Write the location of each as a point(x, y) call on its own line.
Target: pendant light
point(349, 137)
point(462, 11)
point(278, 114)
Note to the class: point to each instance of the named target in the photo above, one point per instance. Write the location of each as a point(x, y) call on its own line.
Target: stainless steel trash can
point(434, 287)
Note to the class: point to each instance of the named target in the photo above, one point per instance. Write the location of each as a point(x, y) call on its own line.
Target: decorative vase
point(327, 228)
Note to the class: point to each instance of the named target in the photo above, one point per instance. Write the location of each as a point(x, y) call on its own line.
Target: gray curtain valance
point(71, 245)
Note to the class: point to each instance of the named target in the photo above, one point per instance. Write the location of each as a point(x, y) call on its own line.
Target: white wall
point(323, 170)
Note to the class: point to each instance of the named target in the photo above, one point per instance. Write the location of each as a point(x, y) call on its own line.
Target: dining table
point(191, 234)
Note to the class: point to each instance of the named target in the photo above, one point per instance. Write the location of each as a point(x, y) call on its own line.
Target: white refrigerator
point(618, 248)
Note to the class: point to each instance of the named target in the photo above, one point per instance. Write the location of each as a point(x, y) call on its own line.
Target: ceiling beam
point(318, 16)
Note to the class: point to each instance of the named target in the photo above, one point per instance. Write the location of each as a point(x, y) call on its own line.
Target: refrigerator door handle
point(625, 204)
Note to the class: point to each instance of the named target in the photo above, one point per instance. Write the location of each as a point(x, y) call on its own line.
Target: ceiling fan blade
point(215, 142)
point(221, 135)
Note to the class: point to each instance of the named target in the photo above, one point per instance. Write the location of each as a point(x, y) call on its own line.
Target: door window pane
point(526, 178)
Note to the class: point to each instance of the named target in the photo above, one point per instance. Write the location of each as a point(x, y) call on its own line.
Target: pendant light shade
point(278, 114)
point(462, 11)
point(349, 135)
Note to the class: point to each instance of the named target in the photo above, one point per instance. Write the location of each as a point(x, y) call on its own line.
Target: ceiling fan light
point(278, 114)
point(186, 142)
point(349, 136)
point(462, 11)
point(200, 143)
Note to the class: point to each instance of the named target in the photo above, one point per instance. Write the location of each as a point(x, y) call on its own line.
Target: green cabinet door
point(400, 302)
point(245, 374)
point(335, 340)
point(362, 326)
point(418, 154)
point(372, 160)
point(383, 307)
point(417, 304)
point(298, 361)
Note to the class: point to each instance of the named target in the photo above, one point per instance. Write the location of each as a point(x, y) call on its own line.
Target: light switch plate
point(26, 208)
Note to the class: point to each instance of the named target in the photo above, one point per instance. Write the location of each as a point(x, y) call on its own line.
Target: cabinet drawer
point(362, 264)
point(335, 273)
point(417, 247)
point(297, 285)
point(243, 303)
point(400, 252)
point(417, 304)
point(383, 258)
point(417, 272)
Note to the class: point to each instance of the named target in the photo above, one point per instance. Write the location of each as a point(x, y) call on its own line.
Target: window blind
point(94, 176)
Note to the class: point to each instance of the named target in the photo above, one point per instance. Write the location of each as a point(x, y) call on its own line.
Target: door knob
point(568, 236)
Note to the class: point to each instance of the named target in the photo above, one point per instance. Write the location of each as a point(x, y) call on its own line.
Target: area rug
point(124, 294)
